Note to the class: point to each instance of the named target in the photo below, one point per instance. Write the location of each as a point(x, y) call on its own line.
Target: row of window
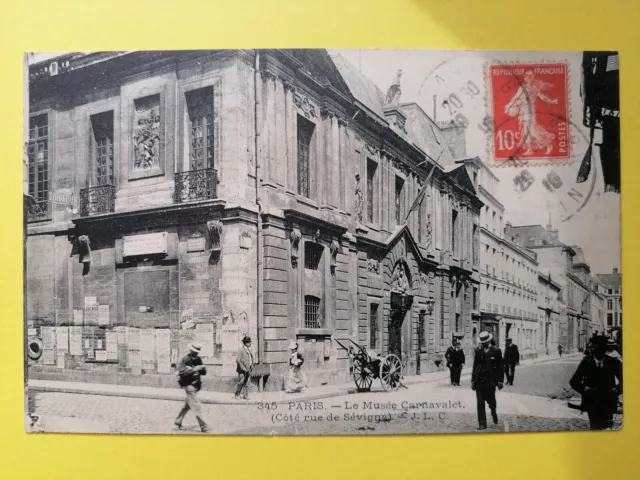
point(101, 140)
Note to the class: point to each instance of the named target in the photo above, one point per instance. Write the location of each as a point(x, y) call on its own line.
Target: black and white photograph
point(322, 242)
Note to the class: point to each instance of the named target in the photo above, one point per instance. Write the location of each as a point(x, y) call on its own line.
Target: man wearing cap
point(486, 375)
point(244, 362)
point(511, 359)
point(455, 361)
point(189, 371)
point(595, 379)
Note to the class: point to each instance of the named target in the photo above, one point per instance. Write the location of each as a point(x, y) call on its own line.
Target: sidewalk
point(226, 398)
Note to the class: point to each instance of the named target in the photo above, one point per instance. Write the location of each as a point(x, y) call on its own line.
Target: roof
point(541, 236)
point(609, 279)
point(426, 134)
point(363, 89)
point(579, 258)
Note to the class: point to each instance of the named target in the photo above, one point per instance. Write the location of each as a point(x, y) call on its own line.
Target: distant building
point(508, 294)
point(549, 310)
point(557, 259)
point(612, 287)
point(598, 308)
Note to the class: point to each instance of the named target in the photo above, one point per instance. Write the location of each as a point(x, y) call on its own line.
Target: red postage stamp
point(530, 111)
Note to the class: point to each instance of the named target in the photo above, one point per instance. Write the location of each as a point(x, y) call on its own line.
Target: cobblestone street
point(423, 408)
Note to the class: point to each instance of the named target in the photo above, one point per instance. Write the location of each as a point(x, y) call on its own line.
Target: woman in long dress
point(297, 380)
point(523, 105)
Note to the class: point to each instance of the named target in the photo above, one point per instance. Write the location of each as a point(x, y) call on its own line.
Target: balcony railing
point(195, 185)
point(97, 200)
point(38, 211)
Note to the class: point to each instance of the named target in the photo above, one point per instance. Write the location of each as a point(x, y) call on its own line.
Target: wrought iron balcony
point(97, 200)
point(195, 185)
point(38, 210)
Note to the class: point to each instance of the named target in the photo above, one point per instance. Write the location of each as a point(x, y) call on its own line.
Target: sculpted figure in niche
point(146, 136)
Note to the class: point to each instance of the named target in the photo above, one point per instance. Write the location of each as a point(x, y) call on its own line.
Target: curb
point(178, 396)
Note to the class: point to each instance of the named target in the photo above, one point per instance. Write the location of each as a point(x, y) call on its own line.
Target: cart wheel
point(390, 373)
point(362, 376)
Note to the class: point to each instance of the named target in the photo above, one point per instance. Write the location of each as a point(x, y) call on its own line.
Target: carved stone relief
point(373, 266)
point(303, 103)
point(146, 133)
point(359, 206)
point(399, 278)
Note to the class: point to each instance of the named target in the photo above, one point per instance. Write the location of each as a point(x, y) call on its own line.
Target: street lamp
point(430, 305)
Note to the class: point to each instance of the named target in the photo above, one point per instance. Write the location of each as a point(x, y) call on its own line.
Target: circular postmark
point(516, 116)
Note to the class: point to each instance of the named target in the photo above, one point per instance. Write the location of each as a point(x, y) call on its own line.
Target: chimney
point(615, 271)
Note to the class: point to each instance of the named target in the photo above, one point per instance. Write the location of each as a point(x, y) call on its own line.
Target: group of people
point(598, 377)
point(191, 369)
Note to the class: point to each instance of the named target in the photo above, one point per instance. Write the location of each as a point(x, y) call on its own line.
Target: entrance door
point(400, 304)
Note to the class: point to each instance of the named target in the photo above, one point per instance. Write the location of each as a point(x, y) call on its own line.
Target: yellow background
point(77, 25)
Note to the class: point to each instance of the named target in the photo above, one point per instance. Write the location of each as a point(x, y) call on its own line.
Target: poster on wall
point(205, 336)
point(111, 338)
point(148, 348)
point(75, 341)
point(163, 350)
point(103, 315)
point(481, 186)
point(90, 311)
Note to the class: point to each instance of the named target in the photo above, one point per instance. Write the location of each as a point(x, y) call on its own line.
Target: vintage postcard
point(308, 242)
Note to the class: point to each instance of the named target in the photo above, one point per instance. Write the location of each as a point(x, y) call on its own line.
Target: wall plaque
point(145, 244)
point(195, 244)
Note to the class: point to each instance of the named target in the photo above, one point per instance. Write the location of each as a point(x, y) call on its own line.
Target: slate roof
point(364, 90)
point(609, 279)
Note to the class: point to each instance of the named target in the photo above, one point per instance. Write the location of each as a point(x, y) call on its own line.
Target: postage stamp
point(530, 108)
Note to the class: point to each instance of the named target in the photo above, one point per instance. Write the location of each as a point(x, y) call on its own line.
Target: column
point(280, 134)
point(345, 172)
point(321, 159)
point(335, 162)
point(291, 135)
point(268, 126)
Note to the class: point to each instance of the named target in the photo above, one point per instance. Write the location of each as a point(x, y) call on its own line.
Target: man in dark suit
point(189, 371)
point(244, 363)
point(511, 359)
point(595, 379)
point(455, 361)
point(486, 375)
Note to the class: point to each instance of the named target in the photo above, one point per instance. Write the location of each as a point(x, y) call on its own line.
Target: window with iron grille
point(371, 175)
point(312, 255)
point(305, 137)
point(39, 157)
point(398, 199)
point(422, 341)
point(311, 312)
point(373, 325)
point(102, 140)
point(200, 111)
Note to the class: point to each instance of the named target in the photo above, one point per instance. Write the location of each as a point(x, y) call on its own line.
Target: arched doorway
point(400, 308)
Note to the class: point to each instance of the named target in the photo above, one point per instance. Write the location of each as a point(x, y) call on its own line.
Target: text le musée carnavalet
point(223, 193)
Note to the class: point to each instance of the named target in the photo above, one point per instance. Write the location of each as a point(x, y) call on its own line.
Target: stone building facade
point(549, 311)
point(186, 196)
point(557, 259)
point(508, 290)
point(612, 291)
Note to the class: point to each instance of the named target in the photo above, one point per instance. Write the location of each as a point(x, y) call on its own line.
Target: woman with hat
point(189, 371)
point(297, 380)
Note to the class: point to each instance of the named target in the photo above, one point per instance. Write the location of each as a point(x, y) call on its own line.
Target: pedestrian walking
point(595, 379)
point(455, 362)
point(560, 349)
point(486, 375)
point(511, 359)
point(612, 349)
point(189, 371)
point(297, 380)
point(244, 363)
